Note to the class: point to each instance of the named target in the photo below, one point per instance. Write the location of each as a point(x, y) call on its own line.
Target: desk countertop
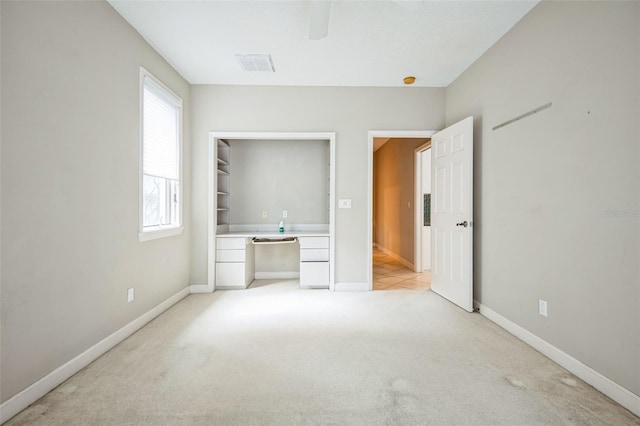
point(273, 234)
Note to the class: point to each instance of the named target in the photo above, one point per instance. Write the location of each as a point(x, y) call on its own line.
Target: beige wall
point(394, 188)
point(349, 111)
point(545, 185)
point(70, 250)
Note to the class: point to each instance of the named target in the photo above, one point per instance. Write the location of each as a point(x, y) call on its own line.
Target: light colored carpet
point(277, 355)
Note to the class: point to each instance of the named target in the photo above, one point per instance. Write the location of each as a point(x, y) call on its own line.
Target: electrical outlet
point(542, 307)
point(130, 295)
point(265, 214)
point(284, 214)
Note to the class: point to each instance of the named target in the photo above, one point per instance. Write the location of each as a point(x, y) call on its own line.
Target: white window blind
point(160, 129)
point(160, 171)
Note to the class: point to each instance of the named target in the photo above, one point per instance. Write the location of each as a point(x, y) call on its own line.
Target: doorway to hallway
point(396, 203)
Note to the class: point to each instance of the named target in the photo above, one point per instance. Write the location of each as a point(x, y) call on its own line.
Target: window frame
point(146, 233)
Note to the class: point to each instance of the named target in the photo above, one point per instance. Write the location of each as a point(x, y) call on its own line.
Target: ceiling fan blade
point(319, 19)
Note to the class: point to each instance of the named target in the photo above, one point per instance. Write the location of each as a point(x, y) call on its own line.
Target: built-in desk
point(235, 257)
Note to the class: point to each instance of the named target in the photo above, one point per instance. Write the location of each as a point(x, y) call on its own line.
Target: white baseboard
point(286, 275)
point(351, 287)
point(622, 396)
point(200, 289)
point(28, 396)
point(395, 256)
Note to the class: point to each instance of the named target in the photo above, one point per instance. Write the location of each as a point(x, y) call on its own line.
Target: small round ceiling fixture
point(409, 80)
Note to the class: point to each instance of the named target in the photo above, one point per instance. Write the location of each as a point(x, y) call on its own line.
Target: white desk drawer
point(231, 275)
point(314, 255)
point(230, 255)
point(231, 243)
point(314, 274)
point(314, 242)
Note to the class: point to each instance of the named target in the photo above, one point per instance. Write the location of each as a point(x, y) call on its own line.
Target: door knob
point(465, 224)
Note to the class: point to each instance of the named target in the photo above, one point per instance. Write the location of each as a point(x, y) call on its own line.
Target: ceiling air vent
point(256, 63)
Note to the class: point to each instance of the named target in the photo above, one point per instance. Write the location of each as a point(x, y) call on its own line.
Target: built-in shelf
point(223, 160)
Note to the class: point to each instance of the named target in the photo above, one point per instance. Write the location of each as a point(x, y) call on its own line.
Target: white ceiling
point(370, 43)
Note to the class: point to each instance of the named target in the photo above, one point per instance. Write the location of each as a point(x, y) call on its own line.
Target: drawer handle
point(259, 241)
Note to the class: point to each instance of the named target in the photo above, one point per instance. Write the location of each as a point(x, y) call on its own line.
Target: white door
point(452, 213)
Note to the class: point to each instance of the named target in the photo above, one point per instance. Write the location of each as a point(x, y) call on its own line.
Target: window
point(160, 152)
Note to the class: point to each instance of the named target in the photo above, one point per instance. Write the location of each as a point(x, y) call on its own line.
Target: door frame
point(401, 134)
point(418, 203)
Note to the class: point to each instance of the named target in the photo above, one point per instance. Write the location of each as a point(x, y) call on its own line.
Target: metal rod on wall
point(520, 117)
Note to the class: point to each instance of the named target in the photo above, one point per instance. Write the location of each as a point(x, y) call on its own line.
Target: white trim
point(403, 134)
point(332, 211)
point(199, 288)
point(619, 394)
point(212, 222)
point(351, 287)
point(418, 205)
point(278, 275)
point(381, 134)
point(159, 232)
point(273, 135)
point(395, 256)
point(160, 89)
point(28, 396)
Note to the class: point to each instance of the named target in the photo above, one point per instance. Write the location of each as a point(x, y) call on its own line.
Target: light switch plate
point(344, 203)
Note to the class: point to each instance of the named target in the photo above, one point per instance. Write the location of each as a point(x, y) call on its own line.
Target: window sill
point(159, 232)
